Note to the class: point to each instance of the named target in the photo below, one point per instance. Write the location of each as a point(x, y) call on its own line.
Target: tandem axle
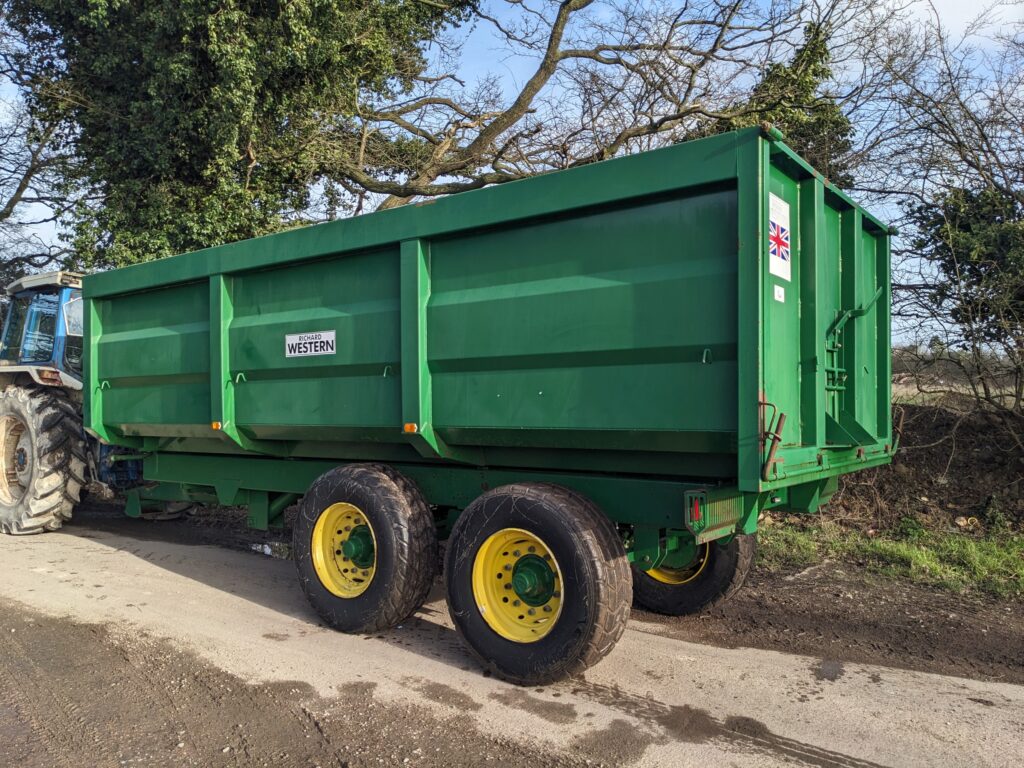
point(674, 517)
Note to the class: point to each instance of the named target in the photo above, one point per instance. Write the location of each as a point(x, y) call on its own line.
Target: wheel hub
point(533, 580)
point(16, 456)
point(344, 550)
point(358, 547)
point(682, 566)
point(517, 585)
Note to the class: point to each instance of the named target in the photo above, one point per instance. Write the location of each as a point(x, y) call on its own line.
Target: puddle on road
point(621, 743)
point(444, 694)
point(662, 723)
point(358, 689)
point(553, 711)
point(689, 724)
point(828, 670)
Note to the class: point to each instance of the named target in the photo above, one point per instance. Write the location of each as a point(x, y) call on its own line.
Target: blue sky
point(483, 53)
point(956, 14)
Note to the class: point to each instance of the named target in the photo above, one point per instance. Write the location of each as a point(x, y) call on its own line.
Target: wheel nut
point(531, 611)
point(508, 567)
point(531, 549)
point(515, 603)
point(515, 553)
point(547, 609)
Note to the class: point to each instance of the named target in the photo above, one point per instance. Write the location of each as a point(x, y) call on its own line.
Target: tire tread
point(415, 564)
point(613, 575)
point(60, 460)
point(685, 599)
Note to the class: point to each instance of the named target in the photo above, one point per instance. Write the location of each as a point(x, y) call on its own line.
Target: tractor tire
point(365, 546)
point(538, 582)
point(42, 452)
point(716, 574)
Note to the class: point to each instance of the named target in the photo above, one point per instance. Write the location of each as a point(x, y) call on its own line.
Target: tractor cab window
point(11, 351)
point(40, 325)
point(74, 327)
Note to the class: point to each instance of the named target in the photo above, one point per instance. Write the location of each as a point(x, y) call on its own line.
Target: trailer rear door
point(825, 347)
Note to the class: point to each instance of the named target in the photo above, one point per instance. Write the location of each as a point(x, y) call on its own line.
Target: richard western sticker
point(779, 252)
point(306, 344)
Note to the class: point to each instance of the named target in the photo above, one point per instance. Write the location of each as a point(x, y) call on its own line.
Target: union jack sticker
point(780, 255)
point(778, 241)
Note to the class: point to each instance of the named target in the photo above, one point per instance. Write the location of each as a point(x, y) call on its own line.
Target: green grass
point(953, 561)
point(784, 546)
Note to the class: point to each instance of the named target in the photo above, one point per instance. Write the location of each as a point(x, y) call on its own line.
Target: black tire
point(721, 578)
point(405, 546)
point(595, 581)
point(41, 433)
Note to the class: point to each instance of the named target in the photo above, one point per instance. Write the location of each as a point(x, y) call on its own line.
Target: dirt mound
point(951, 470)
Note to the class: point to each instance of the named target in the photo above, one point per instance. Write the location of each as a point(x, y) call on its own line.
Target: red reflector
point(696, 509)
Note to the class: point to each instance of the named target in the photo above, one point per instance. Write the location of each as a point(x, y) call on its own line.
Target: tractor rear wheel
point(42, 459)
point(713, 572)
point(538, 582)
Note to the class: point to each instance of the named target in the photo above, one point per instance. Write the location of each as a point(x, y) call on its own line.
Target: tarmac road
point(124, 648)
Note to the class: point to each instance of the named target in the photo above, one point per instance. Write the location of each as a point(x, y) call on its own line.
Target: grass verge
point(953, 561)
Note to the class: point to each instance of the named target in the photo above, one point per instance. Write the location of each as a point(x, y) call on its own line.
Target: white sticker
point(780, 294)
point(779, 250)
point(306, 344)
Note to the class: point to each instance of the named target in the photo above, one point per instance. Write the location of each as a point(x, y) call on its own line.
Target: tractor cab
point(43, 332)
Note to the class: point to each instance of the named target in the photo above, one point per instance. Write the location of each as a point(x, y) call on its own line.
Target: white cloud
point(957, 14)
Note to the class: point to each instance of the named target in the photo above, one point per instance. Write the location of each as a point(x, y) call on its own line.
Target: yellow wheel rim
point(344, 550)
point(517, 585)
point(677, 576)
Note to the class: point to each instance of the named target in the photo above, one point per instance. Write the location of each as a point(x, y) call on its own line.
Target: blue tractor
point(46, 458)
point(43, 450)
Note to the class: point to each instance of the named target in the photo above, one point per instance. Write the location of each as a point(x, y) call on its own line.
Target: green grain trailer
point(592, 382)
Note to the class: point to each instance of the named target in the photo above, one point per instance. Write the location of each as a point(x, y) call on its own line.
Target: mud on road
point(74, 694)
point(831, 610)
point(132, 643)
point(846, 615)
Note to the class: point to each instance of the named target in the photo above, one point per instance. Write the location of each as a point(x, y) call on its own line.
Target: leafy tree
point(971, 243)
point(974, 239)
point(34, 168)
point(199, 122)
point(792, 97)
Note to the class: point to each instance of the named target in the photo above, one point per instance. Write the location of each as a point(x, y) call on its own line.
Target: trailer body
point(688, 336)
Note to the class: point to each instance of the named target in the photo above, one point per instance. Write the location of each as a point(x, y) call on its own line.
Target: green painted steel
point(623, 327)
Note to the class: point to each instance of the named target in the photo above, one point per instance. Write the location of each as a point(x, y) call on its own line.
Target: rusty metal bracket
point(773, 436)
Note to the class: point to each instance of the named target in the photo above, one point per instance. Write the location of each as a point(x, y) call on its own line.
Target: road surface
point(120, 647)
